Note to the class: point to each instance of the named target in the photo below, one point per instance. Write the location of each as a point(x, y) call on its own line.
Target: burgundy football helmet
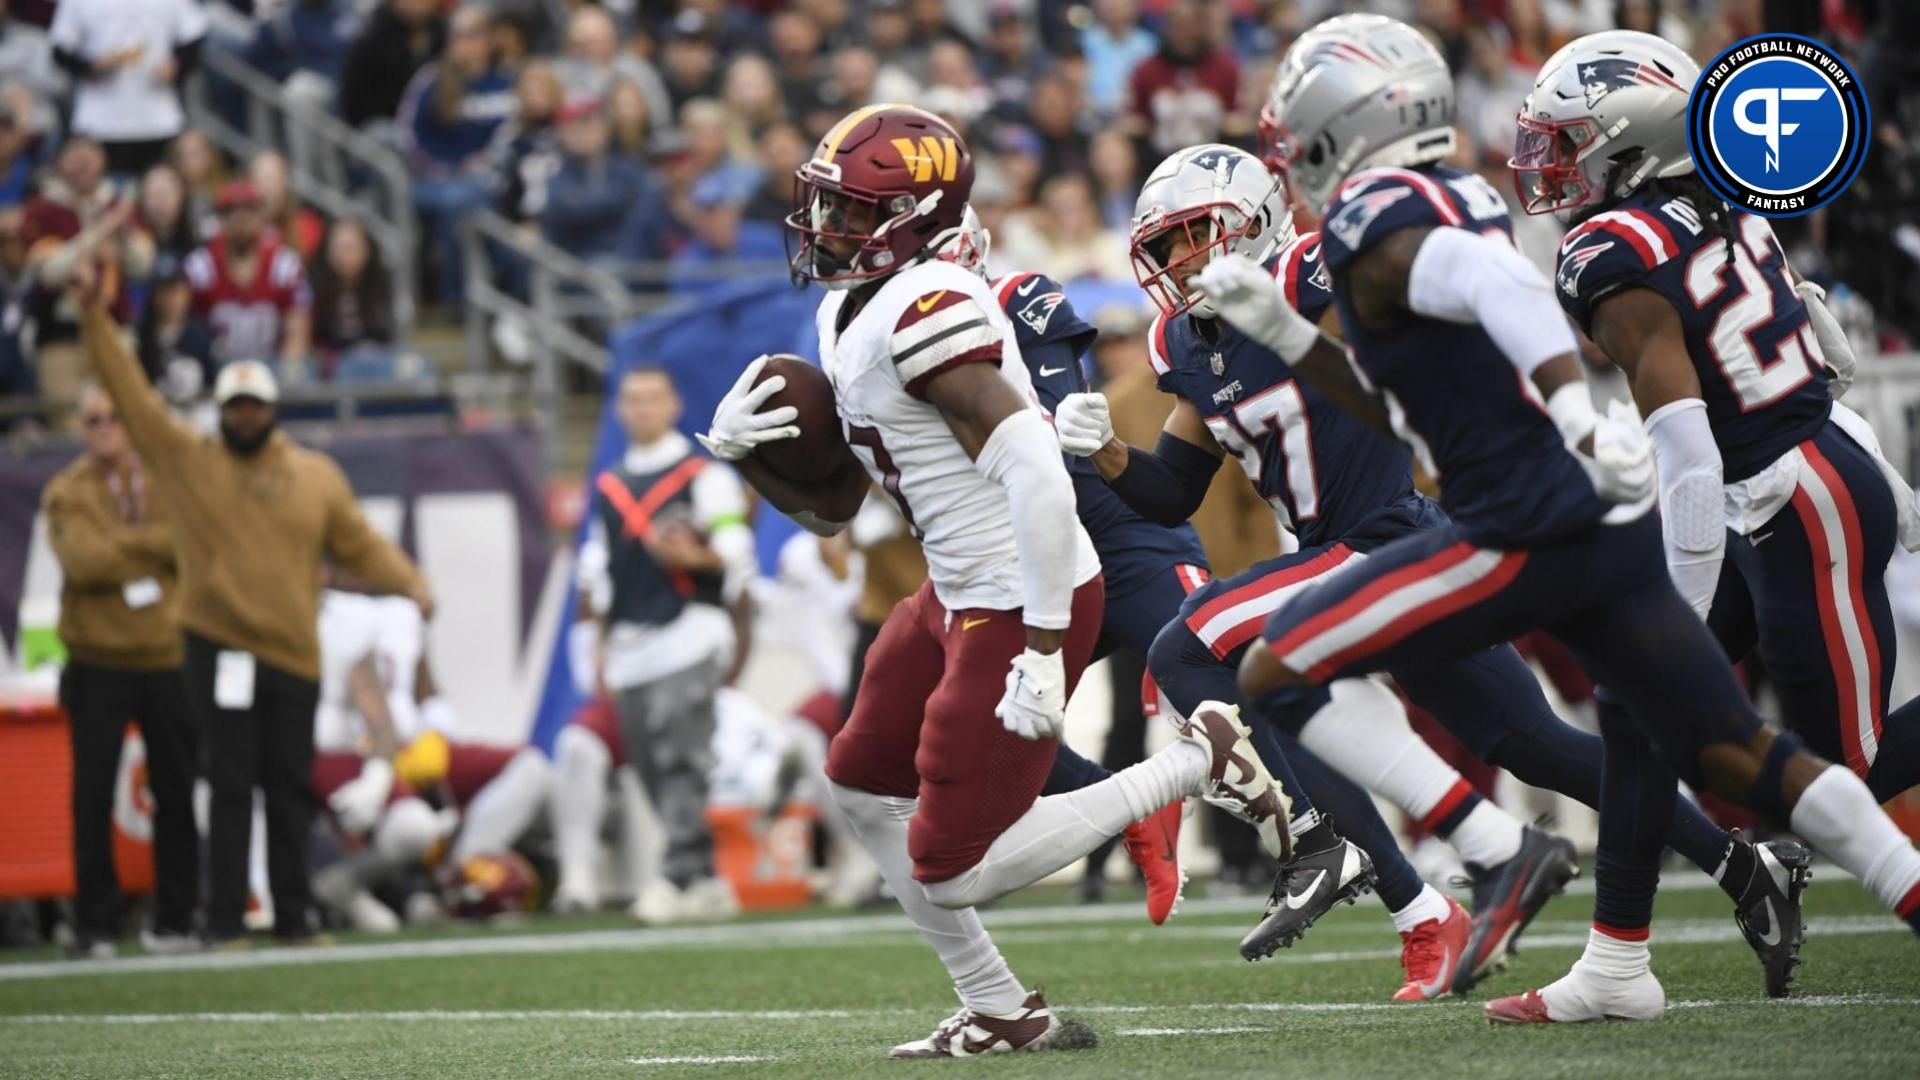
point(483, 886)
point(885, 189)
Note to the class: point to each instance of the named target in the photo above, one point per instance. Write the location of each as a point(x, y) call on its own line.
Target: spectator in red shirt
point(250, 287)
point(79, 216)
point(1187, 92)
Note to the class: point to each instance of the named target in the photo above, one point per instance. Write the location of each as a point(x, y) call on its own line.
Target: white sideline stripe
point(1192, 1031)
point(726, 1059)
point(797, 933)
point(1815, 1001)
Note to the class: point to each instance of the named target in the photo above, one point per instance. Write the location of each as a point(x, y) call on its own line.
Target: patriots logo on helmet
point(1599, 78)
point(1359, 212)
point(1223, 162)
point(1572, 266)
point(1039, 310)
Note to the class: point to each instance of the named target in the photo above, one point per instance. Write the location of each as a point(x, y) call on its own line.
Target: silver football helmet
point(1214, 197)
point(1354, 92)
point(1607, 114)
point(967, 246)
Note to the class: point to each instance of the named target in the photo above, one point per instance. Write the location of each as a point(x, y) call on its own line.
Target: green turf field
point(825, 995)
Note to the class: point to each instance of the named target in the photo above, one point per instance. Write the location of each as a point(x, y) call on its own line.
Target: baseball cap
point(578, 109)
point(236, 193)
point(245, 378)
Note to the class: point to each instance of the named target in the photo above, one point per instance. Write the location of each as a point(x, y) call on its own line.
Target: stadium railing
point(566, 306)
point(339, 171)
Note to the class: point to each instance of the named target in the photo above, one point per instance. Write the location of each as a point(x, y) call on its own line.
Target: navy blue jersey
point(1052, 337)
point(1476, 425)
point(1322, 469)
point(1747, 332)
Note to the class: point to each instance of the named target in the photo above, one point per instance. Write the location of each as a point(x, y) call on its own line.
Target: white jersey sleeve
point(924, 321)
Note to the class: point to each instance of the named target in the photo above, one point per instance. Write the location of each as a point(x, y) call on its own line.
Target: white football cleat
point(1583, 995)
point(709, 898)
point(659, 903)
point(966, 1033)
point(1237, 780)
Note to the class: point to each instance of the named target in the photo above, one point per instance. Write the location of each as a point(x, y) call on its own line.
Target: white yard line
point(1026, 925)
point(728, 1059)
point(641, 1016)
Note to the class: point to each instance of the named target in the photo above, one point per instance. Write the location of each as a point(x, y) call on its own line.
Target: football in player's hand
point(819, 453)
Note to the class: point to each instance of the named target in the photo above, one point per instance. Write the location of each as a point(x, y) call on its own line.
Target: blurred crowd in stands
point(668, 130)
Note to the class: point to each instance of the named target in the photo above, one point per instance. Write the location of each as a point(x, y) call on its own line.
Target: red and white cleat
point(966, 1033)
point(1153, 843)
point(1432, 952)
point(1582, 996)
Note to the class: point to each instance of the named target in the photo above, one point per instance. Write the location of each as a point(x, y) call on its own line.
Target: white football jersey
point(925, 320)
point(353, 625)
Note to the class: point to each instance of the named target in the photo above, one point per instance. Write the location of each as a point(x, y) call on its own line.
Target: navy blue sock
point(1071, 772)
point(1767, 795)
point(1355, 817)
point(1637, 789)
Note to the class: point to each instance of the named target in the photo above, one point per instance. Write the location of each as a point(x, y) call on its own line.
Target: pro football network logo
point(1778, 125)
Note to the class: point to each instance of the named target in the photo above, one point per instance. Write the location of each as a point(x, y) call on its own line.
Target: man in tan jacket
point(253, 516)
point(119, 619)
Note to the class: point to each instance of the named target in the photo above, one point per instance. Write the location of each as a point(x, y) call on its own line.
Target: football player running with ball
point(957, 718)
point(1458, 347)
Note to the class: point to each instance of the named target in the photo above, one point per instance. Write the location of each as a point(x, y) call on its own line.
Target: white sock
point(1060, 829)
point(981, 975)
point(1363, 732)
point(1426, 907)
point(1487, 836)
point(1614, 958)
point(505, 807)
point(1839, 816)
point(578, 801)
point(257, 849)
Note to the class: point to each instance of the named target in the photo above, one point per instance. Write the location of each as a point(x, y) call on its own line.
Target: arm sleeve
point(1466, 277)
point(161, 439)
point(1167, 486)
point(352, 543)
point(720, 504)
point(1692, 515)
point(591, 573)
point(88, 556)
point(1022, 457)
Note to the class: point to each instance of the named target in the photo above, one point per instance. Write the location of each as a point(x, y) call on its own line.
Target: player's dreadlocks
point(1712, 209)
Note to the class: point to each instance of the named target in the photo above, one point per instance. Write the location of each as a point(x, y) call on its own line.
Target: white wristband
point(1571, 408)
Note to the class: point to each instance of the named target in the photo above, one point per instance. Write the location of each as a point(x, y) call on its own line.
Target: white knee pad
point(407, 830)
point(577, 748)
point(866, 811)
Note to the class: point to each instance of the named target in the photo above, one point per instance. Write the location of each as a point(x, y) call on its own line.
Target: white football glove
point(1083, 423)
point(1833, 340)
point(1246, 295)
point(1621, 465)
point(738, 424)
point(356, 805)
point(1035, 704)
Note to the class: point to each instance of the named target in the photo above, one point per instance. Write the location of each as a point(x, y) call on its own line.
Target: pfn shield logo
point(1778, 125)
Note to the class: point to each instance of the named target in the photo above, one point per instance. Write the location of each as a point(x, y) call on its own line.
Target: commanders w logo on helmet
point(933, 155)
